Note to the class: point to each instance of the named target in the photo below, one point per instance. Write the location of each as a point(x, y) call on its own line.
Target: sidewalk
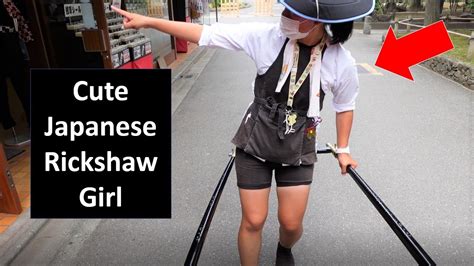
point(17, 230)
point(181, 57)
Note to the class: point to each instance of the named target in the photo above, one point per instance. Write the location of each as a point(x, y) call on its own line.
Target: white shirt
point(263, 41)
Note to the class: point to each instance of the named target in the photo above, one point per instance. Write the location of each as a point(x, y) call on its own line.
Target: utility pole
point(217, 14)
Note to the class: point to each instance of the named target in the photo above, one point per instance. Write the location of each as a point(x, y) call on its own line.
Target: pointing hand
point(132, 20)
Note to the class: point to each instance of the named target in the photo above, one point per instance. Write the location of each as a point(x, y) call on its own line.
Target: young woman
point(298, 61)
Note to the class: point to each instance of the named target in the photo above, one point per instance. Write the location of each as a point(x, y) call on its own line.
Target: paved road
point(413, 141)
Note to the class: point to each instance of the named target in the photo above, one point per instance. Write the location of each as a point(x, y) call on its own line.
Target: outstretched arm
point(186, 31)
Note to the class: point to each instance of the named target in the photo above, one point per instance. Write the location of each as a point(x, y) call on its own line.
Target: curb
point(15, 238)
point(187, 74)
point(452, 69)
point(186, 64)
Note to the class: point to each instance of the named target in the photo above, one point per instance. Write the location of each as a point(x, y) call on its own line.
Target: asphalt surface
point(413, 141)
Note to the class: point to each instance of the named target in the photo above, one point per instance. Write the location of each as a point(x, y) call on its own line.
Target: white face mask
point(291, 28)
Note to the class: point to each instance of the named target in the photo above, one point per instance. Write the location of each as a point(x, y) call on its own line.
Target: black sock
point(284, 256)
point(283, 249)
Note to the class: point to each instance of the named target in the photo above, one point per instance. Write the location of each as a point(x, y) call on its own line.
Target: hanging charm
point(311, 129)
point(290, 120)
point(310, 132)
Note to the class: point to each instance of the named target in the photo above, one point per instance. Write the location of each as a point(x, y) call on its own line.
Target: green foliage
point(212, 4)
point(461, 45)
point(378, 7)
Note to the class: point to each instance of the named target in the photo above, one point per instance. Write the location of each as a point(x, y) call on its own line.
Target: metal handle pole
point(417, 252)
point(198, 242)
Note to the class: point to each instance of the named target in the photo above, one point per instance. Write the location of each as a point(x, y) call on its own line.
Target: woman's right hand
point(132, 20)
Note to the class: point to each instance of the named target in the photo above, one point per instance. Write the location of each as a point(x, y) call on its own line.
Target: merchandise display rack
point(119, 47)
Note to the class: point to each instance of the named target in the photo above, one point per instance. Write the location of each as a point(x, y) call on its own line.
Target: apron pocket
point(265, 143)
point(242, 136)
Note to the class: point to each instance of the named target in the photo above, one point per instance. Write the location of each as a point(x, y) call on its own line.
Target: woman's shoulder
point(338, 55)
point(248, 26)
point(338, 66)
point(260, 26)
point(263, 30)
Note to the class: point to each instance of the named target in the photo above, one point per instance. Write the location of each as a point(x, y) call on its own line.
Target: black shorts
point(253, 173)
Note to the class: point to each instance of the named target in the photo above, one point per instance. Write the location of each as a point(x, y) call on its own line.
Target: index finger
point(121, 12)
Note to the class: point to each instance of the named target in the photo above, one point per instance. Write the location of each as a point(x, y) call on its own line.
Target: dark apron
point(262, 131)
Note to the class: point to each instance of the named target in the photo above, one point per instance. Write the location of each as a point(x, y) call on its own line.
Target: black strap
point(271, 104)
point(321, 91)
point(321, 98)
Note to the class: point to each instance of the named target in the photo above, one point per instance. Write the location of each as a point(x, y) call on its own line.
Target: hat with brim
point(330, 11)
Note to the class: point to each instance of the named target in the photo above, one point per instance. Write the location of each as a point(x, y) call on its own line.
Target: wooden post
point(432, 11)
point(367, 26)
point(9, 200)
point(470, 49)
point(103, 32)
point(396, 27)
point(408, 26)
point(392, 25)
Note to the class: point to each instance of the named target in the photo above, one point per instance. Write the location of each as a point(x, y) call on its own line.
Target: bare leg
point(292, 202)
point(254, 213)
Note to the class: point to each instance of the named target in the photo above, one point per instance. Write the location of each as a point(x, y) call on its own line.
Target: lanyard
point(295, 86)
point(290, 116)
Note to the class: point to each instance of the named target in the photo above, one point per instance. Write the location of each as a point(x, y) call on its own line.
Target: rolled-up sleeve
point(347, 88)
point(227, 36)
point(260, 41)
point(205, 36)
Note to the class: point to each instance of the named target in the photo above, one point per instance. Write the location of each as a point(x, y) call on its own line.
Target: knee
point(291, 226)
point(253, 223)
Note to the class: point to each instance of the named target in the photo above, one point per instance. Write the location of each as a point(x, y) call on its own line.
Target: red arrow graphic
point(397, 55)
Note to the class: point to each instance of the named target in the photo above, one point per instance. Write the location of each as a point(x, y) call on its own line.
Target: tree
point(432, 11)
point(453, 6)
point(414, 5)
point(391, 6)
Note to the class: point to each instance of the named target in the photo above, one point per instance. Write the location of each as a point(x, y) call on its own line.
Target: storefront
point(65, 34)
point(87, 33)
point(199, 11)
point(81, 34)
point(69, 34)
